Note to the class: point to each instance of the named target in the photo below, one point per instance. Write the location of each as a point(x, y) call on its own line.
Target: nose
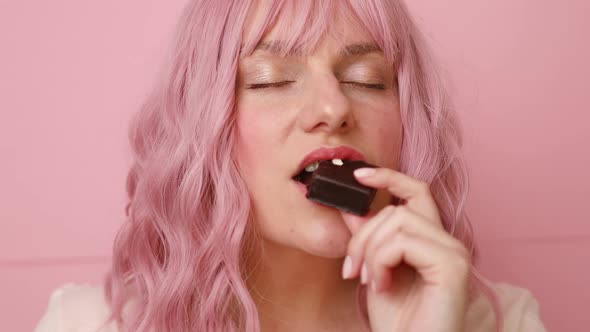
point(327, 109)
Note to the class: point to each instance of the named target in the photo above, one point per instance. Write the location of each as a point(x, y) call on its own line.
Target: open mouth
point(304, 176)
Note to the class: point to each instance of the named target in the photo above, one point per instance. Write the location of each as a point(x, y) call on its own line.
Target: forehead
point(294, 29)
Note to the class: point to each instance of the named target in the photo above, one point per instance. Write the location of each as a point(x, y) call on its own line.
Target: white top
point(82, 308)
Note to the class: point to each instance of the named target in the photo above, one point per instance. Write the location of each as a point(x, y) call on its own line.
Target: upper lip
point(328, 153)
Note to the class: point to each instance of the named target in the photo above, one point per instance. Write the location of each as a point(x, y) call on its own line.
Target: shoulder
point(74, 307)
point(519, 307)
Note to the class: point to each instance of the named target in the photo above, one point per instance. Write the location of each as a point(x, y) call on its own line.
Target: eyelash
point(268, 85)
point(367, 85)
point(280, 84)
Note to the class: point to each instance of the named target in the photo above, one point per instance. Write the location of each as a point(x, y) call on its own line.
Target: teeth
point(337, 162)
point(312, 167)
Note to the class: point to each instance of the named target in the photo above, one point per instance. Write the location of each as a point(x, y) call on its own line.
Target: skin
point(299, 282)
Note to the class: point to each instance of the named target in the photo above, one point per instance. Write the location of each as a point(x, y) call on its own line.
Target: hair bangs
point(379, 19)
point(299, 25)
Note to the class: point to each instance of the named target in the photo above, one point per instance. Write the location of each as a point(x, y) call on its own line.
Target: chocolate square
point(335, 186)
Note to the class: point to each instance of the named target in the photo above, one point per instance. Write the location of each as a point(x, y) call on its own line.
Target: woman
point(220, 237)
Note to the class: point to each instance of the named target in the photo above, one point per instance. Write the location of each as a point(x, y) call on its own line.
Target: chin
point(325, 238)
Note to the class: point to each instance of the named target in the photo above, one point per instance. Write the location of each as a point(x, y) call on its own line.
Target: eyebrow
point(348, 51)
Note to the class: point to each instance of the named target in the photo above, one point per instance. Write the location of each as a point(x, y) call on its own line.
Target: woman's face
point(287, 107)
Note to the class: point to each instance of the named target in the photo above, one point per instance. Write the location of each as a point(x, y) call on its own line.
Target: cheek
point(389, 131)
point(261, 125)
point(251, 140)
point(258, 145)
point(384, 130)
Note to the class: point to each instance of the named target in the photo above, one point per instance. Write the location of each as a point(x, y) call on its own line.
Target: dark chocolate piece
point(335, 186)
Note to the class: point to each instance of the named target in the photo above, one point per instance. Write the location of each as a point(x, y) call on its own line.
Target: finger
point(404, 219)
point(435, 263)
point(356, 245)
point(415, 192)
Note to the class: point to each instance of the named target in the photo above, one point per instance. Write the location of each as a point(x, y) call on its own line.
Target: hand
point(417, 272)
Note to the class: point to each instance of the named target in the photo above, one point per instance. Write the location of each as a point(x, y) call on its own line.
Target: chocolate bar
point(333, 184)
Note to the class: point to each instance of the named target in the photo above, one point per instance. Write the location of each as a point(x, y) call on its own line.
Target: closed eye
point(283, 83)
point(367, 85)
point(268, 85)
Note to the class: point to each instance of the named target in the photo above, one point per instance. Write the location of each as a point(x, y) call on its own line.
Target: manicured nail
point(347, 268)
point(364, 172)
point(364, 274)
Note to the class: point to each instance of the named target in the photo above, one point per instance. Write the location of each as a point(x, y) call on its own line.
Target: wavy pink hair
point(180, 254)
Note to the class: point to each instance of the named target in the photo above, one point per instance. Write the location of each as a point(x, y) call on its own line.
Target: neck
point(297, 291)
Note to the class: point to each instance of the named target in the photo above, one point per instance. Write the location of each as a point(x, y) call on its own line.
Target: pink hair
point(181, 253)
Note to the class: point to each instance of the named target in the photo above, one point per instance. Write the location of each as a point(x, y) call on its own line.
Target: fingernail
point(347, 268)
point(364, 274)
point(364, 172)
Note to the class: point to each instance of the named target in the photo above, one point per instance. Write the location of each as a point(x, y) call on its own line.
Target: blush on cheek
point(384, 136)
point(250, 140)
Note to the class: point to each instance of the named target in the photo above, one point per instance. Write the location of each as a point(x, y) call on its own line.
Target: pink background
point(72, 73)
